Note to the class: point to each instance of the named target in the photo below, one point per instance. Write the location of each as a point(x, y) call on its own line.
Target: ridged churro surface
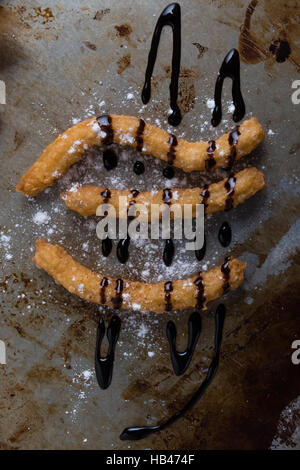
point(86, 199)
point(70, 146)
point(195, 291)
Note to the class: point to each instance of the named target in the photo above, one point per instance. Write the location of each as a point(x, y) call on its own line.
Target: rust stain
point(123, 63)
point(201, 49)
point(100, 13)
point(251, 51)
point(123, 31)
point(90, 45)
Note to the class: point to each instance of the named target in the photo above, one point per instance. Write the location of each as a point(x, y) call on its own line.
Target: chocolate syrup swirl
point(106, 194)
point(139, 432)
point(110, 159)
point(181, 360)
point(139, 168)
point(104, 365)
point(103, 285)
point(210, 161)
point(226, 274)
point(200, 292)
point(201, 252)
point(233, 140)
point(168, 289)
point(139, 135)
point(171, 16)
point(105, 123)
point(224, 234)
point(205, 195)
point(122, 250)
point(229, 68)
point(118, 299)
point(168, 253)
point(229, 186)
point(106, 246)
point(167, 196)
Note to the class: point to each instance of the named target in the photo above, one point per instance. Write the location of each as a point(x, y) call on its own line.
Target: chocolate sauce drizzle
point(171, 16)
point(139, 167)
point(205, 195)
point(139, 135)
point(200, 292)
point(172, 150)
point(168, 289)
point(225, 269)
point(230, 68)
point(167, 196)
point(181, 360)
point(122, 250)
point(201, 252)
point(106, 246)
point(168, 253)
point(233, 140)
point(106, 194)
point(103, 285)
point(110, 159)
point(134, 194)
point(210, 161)
point(105, 123)
point(168, 172)
point(118, 299)
point(229, 186)
point(104, 365)
point(139, 432)
point(224, 234)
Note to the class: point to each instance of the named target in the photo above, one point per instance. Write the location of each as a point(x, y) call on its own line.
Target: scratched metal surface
point(77, 59)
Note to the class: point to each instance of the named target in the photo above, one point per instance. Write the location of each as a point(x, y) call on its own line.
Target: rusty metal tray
point(62, 62)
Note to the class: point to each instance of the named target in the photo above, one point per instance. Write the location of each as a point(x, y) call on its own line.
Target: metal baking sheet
point(63, 62)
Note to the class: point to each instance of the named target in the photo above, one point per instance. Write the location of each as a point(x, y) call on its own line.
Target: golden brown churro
point(86, 199)
point(195, 291)
point(70, 146)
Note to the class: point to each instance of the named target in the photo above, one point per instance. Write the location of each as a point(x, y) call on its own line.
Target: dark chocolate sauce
point(103, 285)
point(210, 161)
point(118, 299)
point(122, 250)
point(104, 365)
point(172, 150)
point(226, 274)
point(200, 291)
point(170, 16)
point(110, 159)
point(139, 432)
point(205, 195)
point(201, 252)
point(168, 252)
point(229, 186)
point(229, 68)
point(139, 135)
point(105, 123)
point(233, 140)
point(224, 234)
point(168, 289)
point(106, 194)
point(181, 360)
point(168, 172)
point(106, 246)
point(134, 194)
point(167, 196)
point(139, 167)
